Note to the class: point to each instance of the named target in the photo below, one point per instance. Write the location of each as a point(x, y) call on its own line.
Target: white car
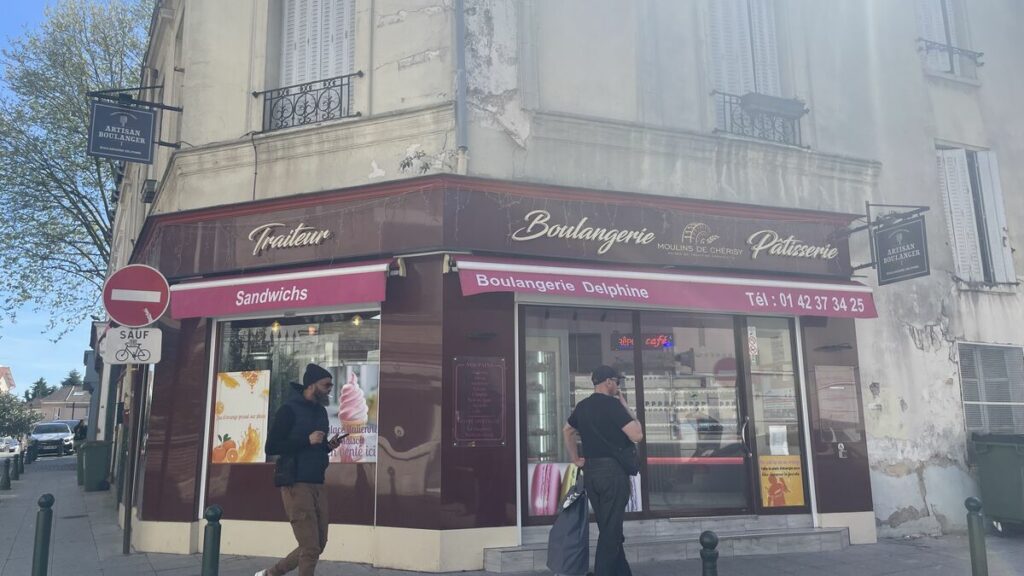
point(8, 444)
point(53, 437)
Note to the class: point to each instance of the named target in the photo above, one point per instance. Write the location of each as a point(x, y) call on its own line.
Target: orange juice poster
point(782, 481)
point(240, 417)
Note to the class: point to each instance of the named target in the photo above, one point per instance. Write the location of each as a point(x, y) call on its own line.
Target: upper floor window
point(992, 383)
point(317, 40)
point(745, 73)
point(941, 39)
point(975, 218)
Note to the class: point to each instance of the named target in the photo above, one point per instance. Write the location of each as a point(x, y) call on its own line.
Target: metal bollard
point(33, 453)
point(19, 459)
point(5, 475)
point(14, 468)
point(44, 522)
point(211, 541)
point(976, 537)
point(708, 554)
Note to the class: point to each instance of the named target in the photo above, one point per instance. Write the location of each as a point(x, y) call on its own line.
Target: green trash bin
point(1001, 470)
point(81, 471)
point(95, 464)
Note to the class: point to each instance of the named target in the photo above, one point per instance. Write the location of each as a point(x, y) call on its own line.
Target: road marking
point(135, 295)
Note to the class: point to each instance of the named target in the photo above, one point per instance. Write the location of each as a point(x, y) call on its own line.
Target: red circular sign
point(136, 295)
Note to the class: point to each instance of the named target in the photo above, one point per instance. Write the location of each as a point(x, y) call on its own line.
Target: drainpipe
point(461, 120)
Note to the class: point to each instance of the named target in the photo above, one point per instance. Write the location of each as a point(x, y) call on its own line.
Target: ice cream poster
point(353, 410)
point(240, 417)
point(550, 482)
point(782, 481)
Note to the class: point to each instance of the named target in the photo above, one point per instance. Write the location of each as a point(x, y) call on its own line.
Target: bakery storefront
point(461, 319)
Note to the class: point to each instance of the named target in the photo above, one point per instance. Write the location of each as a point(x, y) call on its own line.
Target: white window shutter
point(931, 26)
point(996, 232)
point(955, 184)
point(765, 47)
point(732, 65)
point(289, 41)
point(338, 38)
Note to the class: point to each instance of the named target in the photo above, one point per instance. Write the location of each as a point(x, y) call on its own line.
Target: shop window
point(562, 347)
point(257, 359)
point(992, 382)
point(975, 217)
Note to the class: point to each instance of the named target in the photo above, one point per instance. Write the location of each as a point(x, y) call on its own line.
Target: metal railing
point(747, 116)
point(309, 103)
point(953, 55)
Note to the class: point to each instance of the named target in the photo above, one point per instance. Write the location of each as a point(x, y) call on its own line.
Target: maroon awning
point(356, 284)
point(756, 295)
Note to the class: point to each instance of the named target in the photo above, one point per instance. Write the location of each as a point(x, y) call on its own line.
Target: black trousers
point(608, 491)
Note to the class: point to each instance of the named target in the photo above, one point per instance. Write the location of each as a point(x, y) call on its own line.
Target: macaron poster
point(240, 417)
point(549, 482)
point(353, 410)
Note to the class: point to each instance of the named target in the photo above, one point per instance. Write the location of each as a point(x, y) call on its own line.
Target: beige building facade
point(891, 103)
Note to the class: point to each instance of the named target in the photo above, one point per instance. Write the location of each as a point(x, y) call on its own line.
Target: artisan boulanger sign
point(121, 132)
point(901, 251)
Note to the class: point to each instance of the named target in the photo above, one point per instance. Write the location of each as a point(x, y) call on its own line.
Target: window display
point(257, 359)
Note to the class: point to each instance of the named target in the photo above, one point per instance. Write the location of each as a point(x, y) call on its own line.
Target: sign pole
point(134, 434)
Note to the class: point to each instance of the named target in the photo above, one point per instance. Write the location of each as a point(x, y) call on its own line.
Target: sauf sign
point(134, 296)
point(132, 346)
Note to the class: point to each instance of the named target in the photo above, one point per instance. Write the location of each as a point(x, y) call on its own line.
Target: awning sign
point(121, 132)
point(901, 251)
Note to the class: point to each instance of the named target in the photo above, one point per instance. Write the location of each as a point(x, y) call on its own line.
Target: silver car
point(53, 437)
point(8, 444)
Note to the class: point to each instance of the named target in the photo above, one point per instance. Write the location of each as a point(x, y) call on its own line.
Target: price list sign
point(479, 401)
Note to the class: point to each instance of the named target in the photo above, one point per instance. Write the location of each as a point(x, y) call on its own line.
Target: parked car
point(53, 437)
point(8, 444)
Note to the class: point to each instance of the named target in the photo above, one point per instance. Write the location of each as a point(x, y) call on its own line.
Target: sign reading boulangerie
point(901, 251)
point(714, 236)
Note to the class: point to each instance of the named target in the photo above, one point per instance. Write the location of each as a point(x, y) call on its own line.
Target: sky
point(24, 346)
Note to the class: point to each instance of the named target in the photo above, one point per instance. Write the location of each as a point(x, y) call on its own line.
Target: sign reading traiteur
point(136, 295)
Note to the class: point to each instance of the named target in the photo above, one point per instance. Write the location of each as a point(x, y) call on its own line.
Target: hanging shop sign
point(120, 132)
point(901, 251)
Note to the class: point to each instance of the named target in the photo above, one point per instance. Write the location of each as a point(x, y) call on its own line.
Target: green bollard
point(708, 554)
point(976, 537)
point(44, 521)
point(19, 459)
point(14, 467)
point(5, 475)
point(211, 541)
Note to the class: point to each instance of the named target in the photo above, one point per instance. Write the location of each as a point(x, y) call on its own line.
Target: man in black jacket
point(299, 432)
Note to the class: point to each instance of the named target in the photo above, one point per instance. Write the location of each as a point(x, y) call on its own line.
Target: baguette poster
point(240, 417)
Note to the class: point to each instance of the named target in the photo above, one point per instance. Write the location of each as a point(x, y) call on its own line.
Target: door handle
point(743, 436)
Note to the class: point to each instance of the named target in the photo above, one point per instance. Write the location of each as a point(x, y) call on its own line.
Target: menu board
point(479, 387)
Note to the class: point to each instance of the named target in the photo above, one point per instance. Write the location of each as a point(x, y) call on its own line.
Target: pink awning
point(755, 295)
point(356, 284)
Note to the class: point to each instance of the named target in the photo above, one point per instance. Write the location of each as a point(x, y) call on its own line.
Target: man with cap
point(299, 433)
point(603, 423)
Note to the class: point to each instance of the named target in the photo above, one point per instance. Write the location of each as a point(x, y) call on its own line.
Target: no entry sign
point(136, 295)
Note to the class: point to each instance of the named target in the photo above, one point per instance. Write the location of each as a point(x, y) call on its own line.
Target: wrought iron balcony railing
point(759, 116)
point(309, 103)
point(951, 57)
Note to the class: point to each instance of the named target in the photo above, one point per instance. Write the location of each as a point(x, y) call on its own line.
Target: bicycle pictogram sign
point(132, 346)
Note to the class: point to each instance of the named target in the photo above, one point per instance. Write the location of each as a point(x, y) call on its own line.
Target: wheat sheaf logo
point(698, 233)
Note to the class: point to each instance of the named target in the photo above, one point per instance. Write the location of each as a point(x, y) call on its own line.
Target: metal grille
point(954, 58)
point(308, 103)
point(992, 382)
point(732, 117)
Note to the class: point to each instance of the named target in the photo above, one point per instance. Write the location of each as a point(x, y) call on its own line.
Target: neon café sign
point(660, 341)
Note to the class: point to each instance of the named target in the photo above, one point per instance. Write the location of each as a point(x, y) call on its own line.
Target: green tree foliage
point(16, 417)
point(58, 203)
point(39, 389)
point(73, 379)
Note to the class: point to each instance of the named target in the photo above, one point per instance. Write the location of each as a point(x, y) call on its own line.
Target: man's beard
point(323, 398)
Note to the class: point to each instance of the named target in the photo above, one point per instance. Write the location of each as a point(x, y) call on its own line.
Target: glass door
point(694, 418)
point(775, 410)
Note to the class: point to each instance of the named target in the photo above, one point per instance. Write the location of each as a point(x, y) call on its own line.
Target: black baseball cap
point(602, 373)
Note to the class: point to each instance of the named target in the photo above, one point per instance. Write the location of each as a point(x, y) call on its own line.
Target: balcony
point(948, 59)
point(309, 103)
point(759, 116)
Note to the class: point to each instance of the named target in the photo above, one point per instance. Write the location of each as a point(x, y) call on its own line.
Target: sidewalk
point(87, 542)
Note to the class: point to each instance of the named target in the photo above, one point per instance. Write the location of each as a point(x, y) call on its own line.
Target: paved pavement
point(87, 542)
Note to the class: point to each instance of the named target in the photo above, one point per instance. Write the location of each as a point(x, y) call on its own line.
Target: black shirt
point(599, 419)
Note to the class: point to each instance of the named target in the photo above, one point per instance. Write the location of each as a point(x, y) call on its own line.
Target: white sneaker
point(262, 573)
